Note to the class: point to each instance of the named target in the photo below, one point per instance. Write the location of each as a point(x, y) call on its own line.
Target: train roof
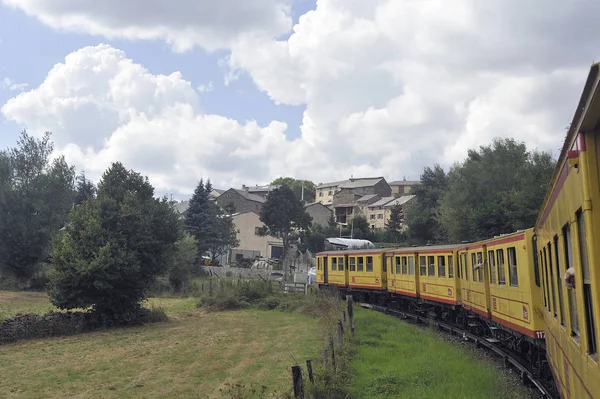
point(424, 248)
point(353, 251)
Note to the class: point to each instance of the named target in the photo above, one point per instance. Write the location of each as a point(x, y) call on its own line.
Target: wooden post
point(298, 384)
point(326, 358)
point(350, 312)
point(344, 316)
point(202, 287)
point(331, 346)
point(310, 371)
point(340, 332)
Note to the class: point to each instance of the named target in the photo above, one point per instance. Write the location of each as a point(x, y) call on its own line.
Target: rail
point(526, 375)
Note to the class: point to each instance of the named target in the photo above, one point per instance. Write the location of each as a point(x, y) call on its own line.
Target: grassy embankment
point(398, 360)
point(195, 354)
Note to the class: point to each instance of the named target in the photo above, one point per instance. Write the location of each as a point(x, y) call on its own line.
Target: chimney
point(244, 187)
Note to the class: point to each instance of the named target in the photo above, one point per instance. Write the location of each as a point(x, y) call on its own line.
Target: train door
point(325, 270)
point(386, 267)
point(346, 271)
point(486, 279)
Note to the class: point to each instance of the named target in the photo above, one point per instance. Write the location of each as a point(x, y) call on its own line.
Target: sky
point(243, 92)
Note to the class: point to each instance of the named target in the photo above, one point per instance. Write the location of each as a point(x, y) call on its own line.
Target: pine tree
point(394, 225)
point(200, 217)
point(84, 189)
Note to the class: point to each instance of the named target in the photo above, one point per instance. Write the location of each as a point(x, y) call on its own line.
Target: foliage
point(359, 229)
point(84, 189)
point(394, 227)
point(229, 295)
point(497, 189)
point(224, 235)
point(296, 187)
point(35, 197)
point(199, 218)
point(182, 263)
point(422, 210)
point(113, 248)
point(283, 214)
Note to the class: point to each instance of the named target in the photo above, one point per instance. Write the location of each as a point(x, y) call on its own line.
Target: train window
point(369, 263)
point(404, 265)
point(318, 263)
point(544, 282)
point(333, 264)
point(450, 267)
point(572, 298)
point(441, 266)
point(512, 267)
point(480, 262)
point(384, 266)
point(545, 260)
point(559, 281)
point(431, 263)
point(411, 265)
point(551, 269)
point(501, 271)
point(587, 285)
point(361, 262)
point(341, 264)
point(398, 265)
point(466, 267)
point(423, 261)
point(352, 261)
point(492, 263)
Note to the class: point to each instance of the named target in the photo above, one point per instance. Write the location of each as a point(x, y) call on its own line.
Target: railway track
point(527, 377)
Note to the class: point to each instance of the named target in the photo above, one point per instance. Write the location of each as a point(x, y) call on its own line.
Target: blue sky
point(28, 50)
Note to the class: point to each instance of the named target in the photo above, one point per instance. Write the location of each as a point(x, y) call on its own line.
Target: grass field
point(193, 355)
point(398, 360)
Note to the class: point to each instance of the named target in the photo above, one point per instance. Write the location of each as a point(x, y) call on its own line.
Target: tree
point(496, 190)
point(35, 197)
point(422, 211)
point(224, 236)
point(283, 214)
point(395, 225)
point(359, 229)
point(182, 262)
point(296, 187)
point(113, 247)
point(200, 217)
point(84, 189)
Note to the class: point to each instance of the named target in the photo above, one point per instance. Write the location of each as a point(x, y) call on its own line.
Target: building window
point(257, 231)
point(320, 193)
point(352, 264)
point(441, 266)
point(361, 261)
point(369, 263)
point(372, 217)
point(380, 216)
point(450, 266)
point(330, 192)
point(512, 267)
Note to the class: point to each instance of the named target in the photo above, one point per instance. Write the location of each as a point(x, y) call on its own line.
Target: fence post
point(326, 358)
point(297, 380)
point(340, 332)
point(310, 371)
point(350, 312)
point(331, 346)
point(344, 316)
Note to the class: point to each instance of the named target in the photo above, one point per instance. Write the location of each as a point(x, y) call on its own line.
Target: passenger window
point(404, 265)
point(341, 264)
point(441, 266)
point(398, 265)
point(587, 285)
point(480, 270)
point(545, 260)
point(473, 263)
point(572, 298)
point(492, 263)
point(411, 265)
point(369, 263)
point(559, 281)
point(423, 261)
point(333, 264)
point(512, 267)
point(361, 261)
point(501, 271)
point(466, 267)
point(431, 263)
point(352, 261)
point(544, 282)
point(318, 263)
point(550, 269)
point(450, 266)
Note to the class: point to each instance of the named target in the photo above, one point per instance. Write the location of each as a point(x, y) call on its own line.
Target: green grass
point(397, 360)
point(13, 302)
point(194, 355)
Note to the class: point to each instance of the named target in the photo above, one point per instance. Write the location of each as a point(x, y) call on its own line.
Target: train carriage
point(475, 290)
point(331, 268)
point(437, 279)
point(567, 230)
point(402, 279)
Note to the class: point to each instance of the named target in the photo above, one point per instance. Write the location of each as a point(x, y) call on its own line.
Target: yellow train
point(512, 288)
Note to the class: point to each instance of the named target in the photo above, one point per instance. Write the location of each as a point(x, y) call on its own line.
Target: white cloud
point(206, 88)
point(184, 24)
point(389, 85)
point(9, 84)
